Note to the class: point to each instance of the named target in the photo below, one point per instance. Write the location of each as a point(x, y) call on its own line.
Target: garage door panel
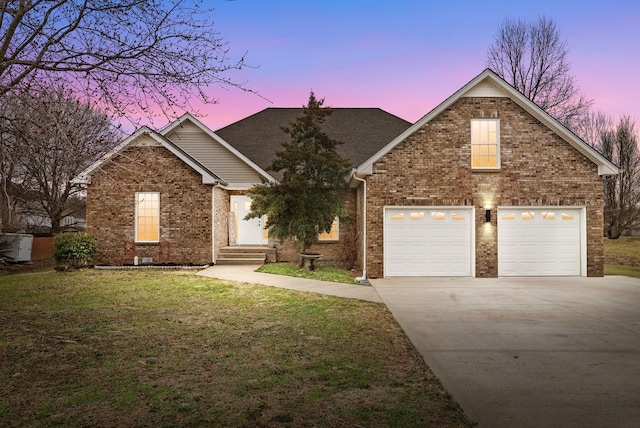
point(427, 242)
point(540, 242)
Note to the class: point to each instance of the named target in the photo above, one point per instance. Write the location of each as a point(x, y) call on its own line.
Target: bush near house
point(75, 249)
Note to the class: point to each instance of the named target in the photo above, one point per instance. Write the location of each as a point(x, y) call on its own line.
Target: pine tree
point(311, 193)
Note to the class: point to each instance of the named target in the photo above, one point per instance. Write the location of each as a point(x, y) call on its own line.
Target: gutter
point(364, 230)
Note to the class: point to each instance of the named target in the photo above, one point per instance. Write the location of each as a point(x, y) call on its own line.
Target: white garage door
point(428, 241)
point(539, 242)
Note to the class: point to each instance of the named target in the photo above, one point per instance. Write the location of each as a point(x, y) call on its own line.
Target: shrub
point(76, 249)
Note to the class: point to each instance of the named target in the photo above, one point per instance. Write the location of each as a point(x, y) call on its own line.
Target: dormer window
point(485, 143)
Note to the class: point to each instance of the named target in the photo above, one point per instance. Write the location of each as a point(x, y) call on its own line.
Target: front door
point(247, 232)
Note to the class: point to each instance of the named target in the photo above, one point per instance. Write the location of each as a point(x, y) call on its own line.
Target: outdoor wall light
point(487, 216)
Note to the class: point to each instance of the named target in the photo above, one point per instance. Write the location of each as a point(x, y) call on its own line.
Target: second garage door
point(539, 242)
point(428, 241)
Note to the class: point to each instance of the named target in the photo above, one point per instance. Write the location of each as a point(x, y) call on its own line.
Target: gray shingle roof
point(363, 131)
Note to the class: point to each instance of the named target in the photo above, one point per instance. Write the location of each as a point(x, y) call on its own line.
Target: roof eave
point(208, 177)
point(605, 167)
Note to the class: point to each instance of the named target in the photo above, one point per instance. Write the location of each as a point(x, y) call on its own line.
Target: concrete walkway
point(246, 273)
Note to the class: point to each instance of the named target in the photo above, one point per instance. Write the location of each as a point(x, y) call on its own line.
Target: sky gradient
point(406, 57)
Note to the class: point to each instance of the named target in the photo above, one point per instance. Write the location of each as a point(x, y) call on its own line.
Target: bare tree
point(533, 59)
point(50, 138)
point(591, 126)
point(622, 191)
point(133, 56)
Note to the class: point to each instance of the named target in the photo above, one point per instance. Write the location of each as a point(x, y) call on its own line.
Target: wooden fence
point(42, 247)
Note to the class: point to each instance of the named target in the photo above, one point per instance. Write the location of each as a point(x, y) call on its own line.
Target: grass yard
point(622, 256)
point(158, 348)
point(325, 271)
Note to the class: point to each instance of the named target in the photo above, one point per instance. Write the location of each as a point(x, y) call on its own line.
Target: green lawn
point(325, 271)
point(622, 256)
point(158, 348)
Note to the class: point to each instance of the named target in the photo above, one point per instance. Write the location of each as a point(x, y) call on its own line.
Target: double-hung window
point(147, 217)
point(485, 143)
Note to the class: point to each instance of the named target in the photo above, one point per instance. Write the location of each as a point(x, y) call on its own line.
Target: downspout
point(364, 230)
point(213, 223)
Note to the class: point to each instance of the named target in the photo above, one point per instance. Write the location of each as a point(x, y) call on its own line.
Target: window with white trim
point(485, 143)
point(147, 217)
point(333, 234)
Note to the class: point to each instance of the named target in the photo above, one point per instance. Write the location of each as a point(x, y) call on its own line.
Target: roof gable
point(152, 138)
point(489, 84)
point(213, 151)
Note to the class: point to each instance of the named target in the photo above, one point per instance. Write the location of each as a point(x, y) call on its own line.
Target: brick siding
point(433, 168)
point(185, 208)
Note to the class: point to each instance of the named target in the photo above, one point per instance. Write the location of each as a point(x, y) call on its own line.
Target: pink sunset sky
point(408, 56)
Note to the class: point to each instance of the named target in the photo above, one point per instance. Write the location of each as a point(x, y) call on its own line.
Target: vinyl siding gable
point(212, 154)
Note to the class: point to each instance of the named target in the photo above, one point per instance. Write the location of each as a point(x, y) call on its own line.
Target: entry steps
point(243, 255)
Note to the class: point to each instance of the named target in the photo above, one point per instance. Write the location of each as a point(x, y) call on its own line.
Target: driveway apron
point(528, 352)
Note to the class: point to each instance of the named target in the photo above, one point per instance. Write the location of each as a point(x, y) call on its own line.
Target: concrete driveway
point(528, 352)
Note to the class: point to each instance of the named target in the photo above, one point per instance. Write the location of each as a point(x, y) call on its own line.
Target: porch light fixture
point(487, 216)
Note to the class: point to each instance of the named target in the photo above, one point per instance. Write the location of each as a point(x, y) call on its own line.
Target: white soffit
point(485, 89)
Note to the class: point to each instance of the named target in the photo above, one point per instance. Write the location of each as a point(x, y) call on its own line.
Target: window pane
point(417, 215)
point(527, 215)
point(475, 131)
point(437, 215)
point(332, 234)
point(484, 143)
point(397, 217)
point(148, 216)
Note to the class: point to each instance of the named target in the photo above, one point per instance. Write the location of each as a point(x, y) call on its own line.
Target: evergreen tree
point(311, 193)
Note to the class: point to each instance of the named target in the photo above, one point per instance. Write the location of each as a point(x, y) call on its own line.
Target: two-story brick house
point(486, 184)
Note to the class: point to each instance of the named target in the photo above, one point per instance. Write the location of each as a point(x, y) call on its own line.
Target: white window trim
point(136, 219)
point(487, 168)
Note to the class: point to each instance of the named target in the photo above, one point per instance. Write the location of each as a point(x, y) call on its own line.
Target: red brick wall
point(185, 208)
point(433, 168)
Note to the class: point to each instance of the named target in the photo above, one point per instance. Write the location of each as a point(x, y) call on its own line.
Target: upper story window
point(147, 217)
point(485, 143)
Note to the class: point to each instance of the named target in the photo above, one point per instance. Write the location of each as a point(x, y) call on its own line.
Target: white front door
point(247, 232)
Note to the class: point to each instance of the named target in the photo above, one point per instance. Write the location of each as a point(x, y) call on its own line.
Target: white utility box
point(16, 247)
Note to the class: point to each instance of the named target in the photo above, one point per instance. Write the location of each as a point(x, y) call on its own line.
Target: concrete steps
point(242, 255)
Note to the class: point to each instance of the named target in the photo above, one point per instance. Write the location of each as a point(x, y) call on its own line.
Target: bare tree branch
point(131, 55)
point(50, 137)
point(533, 59)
